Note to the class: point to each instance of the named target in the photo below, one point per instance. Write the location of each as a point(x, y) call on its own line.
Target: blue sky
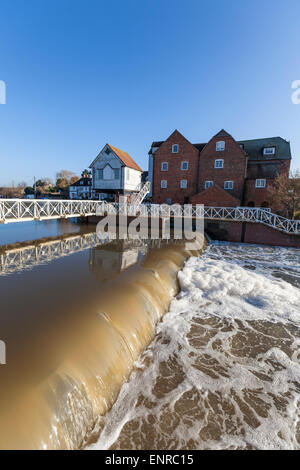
point(83, 73)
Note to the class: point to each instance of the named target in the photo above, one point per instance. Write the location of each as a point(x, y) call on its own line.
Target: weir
point(66, 371)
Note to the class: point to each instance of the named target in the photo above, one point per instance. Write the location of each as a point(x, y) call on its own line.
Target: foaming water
point(73, 329)
point(223, 371)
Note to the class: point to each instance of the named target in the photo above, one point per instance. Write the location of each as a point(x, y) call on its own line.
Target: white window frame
point(220, 146)
point(208, 184)
point(187, 166)
point(185, 182)
point(219, 160)
point(162, 166)
point(266, 152)
point(260, 183)
point(177, 146)
point(226, 183)
point(163, 184)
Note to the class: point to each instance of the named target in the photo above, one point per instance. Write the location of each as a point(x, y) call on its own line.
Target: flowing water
point(74, 316)
point(223, 371)
point(93, 362)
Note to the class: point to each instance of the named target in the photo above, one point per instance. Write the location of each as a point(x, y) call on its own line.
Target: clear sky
point(83, 73)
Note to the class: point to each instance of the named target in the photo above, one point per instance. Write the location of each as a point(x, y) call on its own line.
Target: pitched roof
point(215, 193)
point(125, 158)
point(254, 147)
point(82, 182)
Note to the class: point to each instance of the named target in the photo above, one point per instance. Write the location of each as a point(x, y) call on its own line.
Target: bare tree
point(13, 191)
point(284, 194)
point(64, 178)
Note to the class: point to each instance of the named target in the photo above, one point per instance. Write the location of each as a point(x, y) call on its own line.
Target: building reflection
point(106, 263)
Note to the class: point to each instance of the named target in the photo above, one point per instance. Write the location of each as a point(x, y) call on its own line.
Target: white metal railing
point(37, 253)
point(18, 210)
point(143, 190)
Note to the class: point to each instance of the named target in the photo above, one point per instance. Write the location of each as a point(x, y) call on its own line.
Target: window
point(269, 151)
point(183, 184)
point(175, 148)
point(107, 150)
point(117, 174)
point(220, 146)
point(81, 182)
point(260, 183)
point(163, 184)
point(100, 174)
point(228, 184)
point(242, 146)
point(184, 165)
point(219, 163)
point(164, 166)
point(208, 184)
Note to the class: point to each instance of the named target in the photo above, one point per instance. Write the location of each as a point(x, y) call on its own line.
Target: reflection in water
point(73, 328)
point(23, 231)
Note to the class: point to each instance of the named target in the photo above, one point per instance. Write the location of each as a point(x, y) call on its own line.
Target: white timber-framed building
point(115, 173)
point(81, 189)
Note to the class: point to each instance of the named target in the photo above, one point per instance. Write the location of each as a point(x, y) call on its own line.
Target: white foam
point(230, 343)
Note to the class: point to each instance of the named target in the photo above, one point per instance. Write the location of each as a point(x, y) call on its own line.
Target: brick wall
point(187, 152)
point(250, 233)
point(259, 196)
point(213, 196)
point(235, 164)
point(202, 168)
point(261, 234)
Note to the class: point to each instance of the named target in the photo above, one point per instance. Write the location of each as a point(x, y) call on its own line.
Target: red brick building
point(221, 172)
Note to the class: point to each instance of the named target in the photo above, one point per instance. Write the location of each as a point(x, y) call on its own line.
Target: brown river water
point(146, 345)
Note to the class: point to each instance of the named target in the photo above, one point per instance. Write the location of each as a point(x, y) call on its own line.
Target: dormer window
point(220, 146)
point(269, 151)
point(242, 146)
point(107, 151)
point(175, 148)
point(219, 163)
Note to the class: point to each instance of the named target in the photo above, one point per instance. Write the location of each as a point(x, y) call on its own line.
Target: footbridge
point(24, 210)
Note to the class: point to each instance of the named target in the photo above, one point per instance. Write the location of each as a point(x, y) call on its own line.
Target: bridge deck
point(24, 210)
